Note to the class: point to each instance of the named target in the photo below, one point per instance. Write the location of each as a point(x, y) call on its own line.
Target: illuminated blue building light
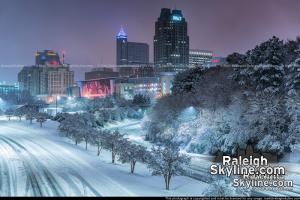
point(122, 34)
point(176, 18)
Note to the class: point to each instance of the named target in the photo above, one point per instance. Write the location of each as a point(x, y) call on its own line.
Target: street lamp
point(56, 99)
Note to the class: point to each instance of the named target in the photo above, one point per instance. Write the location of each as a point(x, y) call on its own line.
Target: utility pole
point(56, 105)
point(57, 98)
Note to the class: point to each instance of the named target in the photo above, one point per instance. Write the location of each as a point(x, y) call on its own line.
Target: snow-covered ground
point(200, 164)
point(36, 161)
point(132, 129)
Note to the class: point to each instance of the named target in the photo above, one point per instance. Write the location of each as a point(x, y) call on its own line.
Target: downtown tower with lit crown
point(171, 40)
point(131, 53)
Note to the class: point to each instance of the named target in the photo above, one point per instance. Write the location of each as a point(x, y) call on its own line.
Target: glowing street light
point(57, 99)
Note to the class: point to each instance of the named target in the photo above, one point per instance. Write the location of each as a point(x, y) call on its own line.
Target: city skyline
point(87, 31)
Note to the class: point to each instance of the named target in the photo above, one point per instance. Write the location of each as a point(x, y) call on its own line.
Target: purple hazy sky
point(86, 29)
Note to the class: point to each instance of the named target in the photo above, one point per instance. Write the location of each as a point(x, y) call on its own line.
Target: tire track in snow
point(5, 173)
point(9, 170)
point(46, 174)
point(58, 191)
point(32, 180)
point(105, 183)
point(85, 183)
point(35, 180)
point(70, 182)
point(38, 148)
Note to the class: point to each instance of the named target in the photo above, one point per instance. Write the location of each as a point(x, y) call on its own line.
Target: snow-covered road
point(37, 162)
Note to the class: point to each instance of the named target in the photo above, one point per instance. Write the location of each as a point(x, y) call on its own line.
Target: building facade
point(29, 79)
point(74, 91)
point(166, 82)
point(122, 53)
point(171, 40)
point(47, 57)
point(138, 53)
point(99, 88)
point(127, 88)
point(46, 79)
point(200, 57)
point(59, 79)
point(131, 71)
point(101, 72)
point(130, 53)
point(6, 89)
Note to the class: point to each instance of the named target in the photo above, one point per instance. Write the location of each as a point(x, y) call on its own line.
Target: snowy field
point(35, 161)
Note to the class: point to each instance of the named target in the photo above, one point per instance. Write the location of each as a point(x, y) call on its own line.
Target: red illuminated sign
point(96, 88)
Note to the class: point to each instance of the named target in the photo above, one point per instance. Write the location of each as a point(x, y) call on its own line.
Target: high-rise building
point(138, 53)
point(46, 78)
point(59, 79)
point(47, 57)
point(130, 53)
point(122, 52)
point(171, 40)
point(29, 79)
point(200, 57)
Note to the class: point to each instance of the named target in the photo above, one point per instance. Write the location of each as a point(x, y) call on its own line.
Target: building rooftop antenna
point(63, 56)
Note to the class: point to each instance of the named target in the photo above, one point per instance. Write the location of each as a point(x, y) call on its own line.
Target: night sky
point(86, 29)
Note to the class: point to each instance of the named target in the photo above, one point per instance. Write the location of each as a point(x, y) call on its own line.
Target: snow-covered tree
point(112, 140)
point(236, 59)
point(291, 48)
point(185, 81)
point(30, 112)
point(87, 135)
point(9, 113)
point(270, 52)
point(86, 123)
point(141, 100)
point(224, 188)
point(293, 111)
point(41, 118)
point(98, 138)
point(131, 153)
point(167, 161)
point(72, 127)
point(66, 125)
point(80, 126)
point(19, 113)
point(76, 135)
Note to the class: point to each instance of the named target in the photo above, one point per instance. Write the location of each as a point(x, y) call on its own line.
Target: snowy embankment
point(36, 161)
point(200, 164)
